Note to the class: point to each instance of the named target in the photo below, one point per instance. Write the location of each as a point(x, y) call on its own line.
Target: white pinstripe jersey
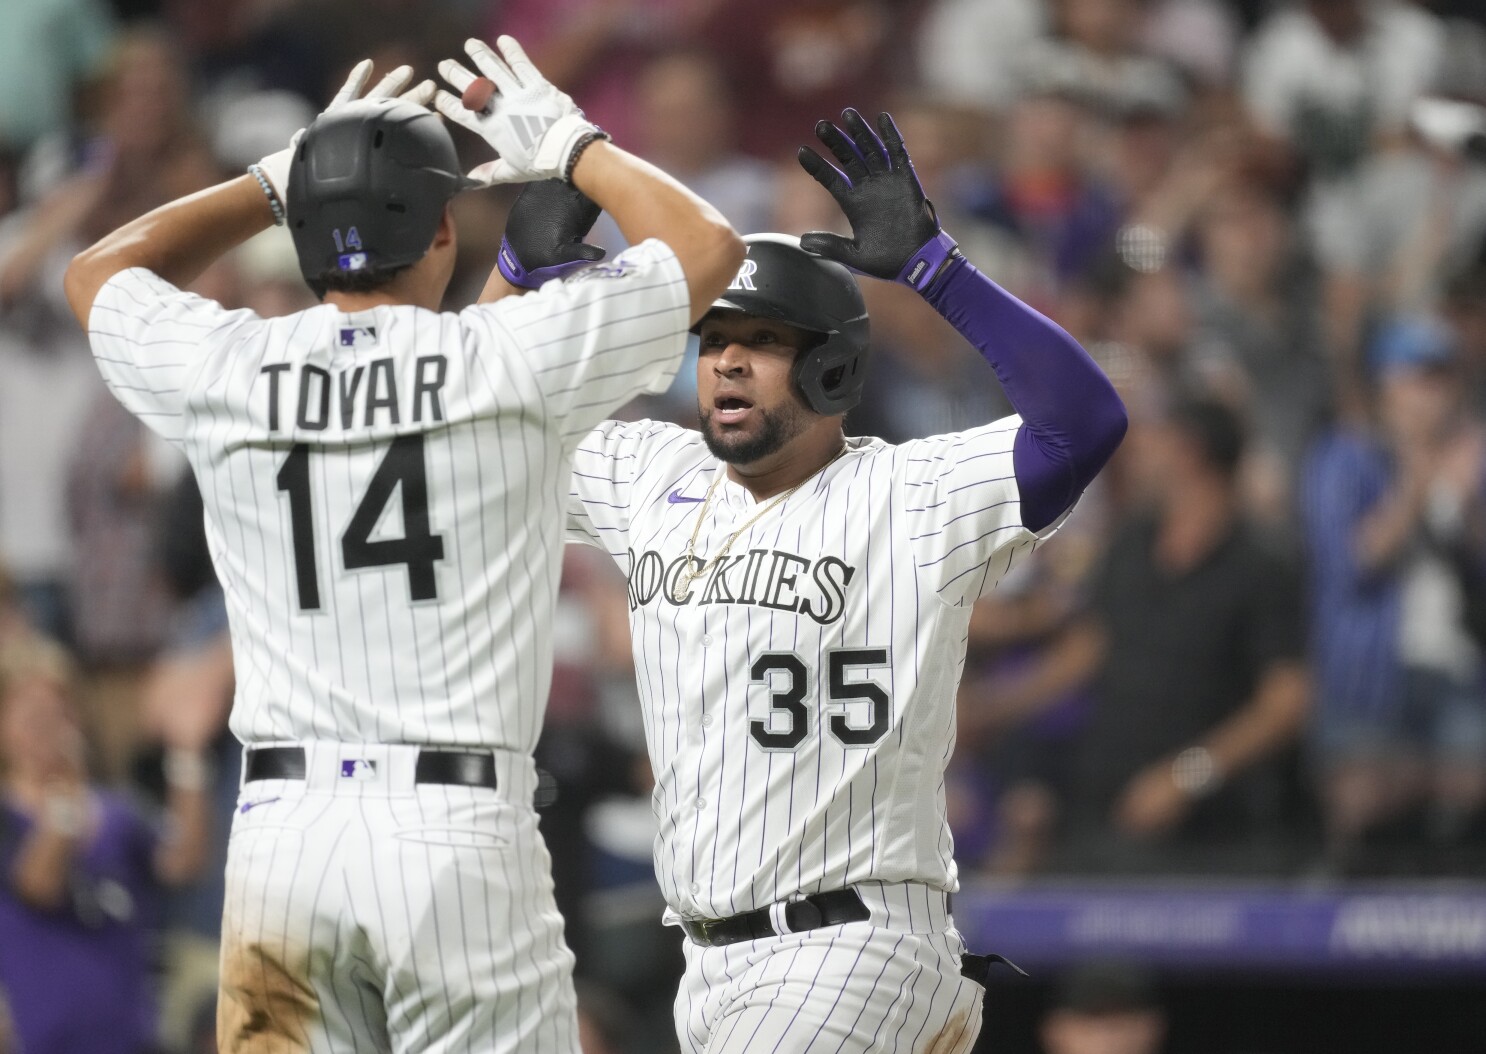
point(384, 491)
point(799, 705)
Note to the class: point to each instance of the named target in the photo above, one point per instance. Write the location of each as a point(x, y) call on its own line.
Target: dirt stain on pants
point(264, 1004)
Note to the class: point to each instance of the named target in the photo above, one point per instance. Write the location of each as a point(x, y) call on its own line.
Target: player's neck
point(795, 462)
point(351, 303)
point(414, 287)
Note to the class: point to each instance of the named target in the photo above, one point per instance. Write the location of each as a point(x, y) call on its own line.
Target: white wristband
point(1195, 772)
point(187, 770)
point(63, 814)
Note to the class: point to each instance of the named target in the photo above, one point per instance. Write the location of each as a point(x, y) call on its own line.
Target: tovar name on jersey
point(361, 394)
point(766, 578)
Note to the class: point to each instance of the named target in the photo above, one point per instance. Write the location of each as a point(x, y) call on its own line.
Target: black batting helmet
point(367, 187)
point(779, 280)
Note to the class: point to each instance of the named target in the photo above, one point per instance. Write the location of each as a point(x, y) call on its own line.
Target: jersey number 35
point(788, 722)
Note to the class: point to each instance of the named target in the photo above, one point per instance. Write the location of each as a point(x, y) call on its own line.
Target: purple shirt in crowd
point(80, 978)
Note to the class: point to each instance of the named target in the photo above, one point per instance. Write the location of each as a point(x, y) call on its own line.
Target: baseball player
point(799, 605)
point(384, 488)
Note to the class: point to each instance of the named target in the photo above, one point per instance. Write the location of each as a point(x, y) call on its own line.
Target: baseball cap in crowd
point(1106, 987)
point(248, 126)
point(1410, 342)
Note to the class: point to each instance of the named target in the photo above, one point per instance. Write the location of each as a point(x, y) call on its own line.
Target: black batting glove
point(545, 232)
point(895, 234)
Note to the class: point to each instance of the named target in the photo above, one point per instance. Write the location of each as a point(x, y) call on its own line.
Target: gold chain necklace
point(688, 576)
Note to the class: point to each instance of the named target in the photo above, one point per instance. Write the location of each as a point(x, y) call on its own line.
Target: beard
point(776, 428)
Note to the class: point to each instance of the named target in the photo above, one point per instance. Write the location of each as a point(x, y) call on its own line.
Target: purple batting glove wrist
point(934, 259)
point(512, 271)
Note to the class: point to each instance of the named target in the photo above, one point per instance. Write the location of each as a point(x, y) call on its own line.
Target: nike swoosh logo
point(254, 804)
point(676, 497)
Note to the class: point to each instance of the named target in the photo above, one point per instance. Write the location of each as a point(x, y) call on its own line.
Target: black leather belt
point(832, 908)
point(459, 768)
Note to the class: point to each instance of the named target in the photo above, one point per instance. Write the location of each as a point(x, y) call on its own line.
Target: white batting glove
point(275, 167)
point(534, 127)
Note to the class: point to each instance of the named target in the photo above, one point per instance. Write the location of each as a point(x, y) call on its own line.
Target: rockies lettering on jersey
point(384, 490)
point(769, 578)
point(799, 694)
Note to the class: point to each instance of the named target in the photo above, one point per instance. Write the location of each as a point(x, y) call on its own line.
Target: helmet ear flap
point(830, 376)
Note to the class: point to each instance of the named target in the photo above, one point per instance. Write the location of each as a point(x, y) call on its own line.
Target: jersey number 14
point(418, 549)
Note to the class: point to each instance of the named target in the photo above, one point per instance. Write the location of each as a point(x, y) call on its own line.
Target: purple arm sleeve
point(1072, 419)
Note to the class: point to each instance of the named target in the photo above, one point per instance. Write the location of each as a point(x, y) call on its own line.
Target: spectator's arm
point(1346, 298)
point(176, 241)
point(54, 222)
point(1270, 637)
point(188, 698)
point(1159, 796)
point(999, 621)
point(1340, 488)
point(182, 853)
point(571, 47)
point(44, 858)
point(1071, 659)
point(574, 46)
point(1272, 718)
point(1384, 531)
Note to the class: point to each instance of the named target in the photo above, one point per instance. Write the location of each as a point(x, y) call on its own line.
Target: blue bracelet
point(256, 172)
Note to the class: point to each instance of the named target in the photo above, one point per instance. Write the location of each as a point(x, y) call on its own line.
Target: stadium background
point(1223, 199)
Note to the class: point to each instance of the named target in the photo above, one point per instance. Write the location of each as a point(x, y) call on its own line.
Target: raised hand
point(545, 232)
point(536, 129)
point(895, 234)
point(390, 86)
point(274, 169)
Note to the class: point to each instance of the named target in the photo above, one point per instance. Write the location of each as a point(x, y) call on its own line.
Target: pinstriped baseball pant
point(365, 913)
point(883, 986)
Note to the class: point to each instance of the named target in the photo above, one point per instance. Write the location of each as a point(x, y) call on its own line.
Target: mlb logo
point(358, 769)
point(352, 261)
point(358, 336)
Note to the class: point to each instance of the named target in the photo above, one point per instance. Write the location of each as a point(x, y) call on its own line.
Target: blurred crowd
point(1254, 649)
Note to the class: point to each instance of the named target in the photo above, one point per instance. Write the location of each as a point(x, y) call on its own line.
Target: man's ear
point(444, 235)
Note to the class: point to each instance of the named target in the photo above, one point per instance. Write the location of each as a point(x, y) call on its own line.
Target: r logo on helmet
point(744, 280)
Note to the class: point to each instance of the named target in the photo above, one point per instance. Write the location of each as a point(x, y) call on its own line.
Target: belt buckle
point(702, 931)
